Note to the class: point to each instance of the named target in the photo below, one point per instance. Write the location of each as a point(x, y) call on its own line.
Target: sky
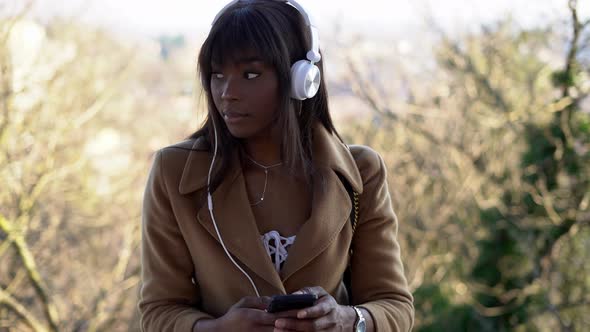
point(157, 17)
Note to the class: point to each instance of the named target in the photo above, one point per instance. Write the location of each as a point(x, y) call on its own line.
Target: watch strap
point(359, 318)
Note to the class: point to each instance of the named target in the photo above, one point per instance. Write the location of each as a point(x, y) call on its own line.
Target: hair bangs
point(245, 33)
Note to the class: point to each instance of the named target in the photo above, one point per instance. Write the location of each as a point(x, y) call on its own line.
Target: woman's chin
point(239, 133)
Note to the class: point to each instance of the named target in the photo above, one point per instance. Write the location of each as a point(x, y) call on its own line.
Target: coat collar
point(331, 208)
point(330, 152)
point(194, 173)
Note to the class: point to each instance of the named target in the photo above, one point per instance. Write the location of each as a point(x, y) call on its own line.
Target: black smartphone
point(290, 302)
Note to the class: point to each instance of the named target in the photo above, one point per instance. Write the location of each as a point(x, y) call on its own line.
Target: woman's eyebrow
point(249, 59)
point(240, 61)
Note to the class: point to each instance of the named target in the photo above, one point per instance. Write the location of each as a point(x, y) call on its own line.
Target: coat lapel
point(331, 203)
point(330, 211)
point(232, 213)
point(238, 228)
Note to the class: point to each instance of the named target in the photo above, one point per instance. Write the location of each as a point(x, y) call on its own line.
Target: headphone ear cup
point(305, 80)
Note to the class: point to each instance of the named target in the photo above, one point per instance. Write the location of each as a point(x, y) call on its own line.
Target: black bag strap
point(354, 216)
point(354, 200)
point(354, 212)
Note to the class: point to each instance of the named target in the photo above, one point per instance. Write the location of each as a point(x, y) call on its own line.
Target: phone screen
point(290, 302)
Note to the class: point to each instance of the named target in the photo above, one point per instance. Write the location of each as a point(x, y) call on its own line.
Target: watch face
point(360, 326)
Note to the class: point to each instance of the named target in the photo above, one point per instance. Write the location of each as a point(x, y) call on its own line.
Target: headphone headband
point(312, 55)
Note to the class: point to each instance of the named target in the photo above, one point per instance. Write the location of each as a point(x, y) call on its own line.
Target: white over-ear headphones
point(305, 75)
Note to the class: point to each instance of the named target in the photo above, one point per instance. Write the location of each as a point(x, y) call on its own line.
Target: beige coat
point(187, 276)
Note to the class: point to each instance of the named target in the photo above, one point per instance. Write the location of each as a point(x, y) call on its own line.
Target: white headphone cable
point(210, 206)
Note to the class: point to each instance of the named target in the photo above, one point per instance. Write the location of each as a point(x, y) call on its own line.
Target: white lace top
point(276, 247)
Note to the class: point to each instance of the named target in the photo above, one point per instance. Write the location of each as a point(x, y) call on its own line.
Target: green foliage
point(431, 300)
point(536, 205)
point(562, 78)
point(540, 154)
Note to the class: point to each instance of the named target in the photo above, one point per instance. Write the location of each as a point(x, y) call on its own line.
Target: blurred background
point(479, 108)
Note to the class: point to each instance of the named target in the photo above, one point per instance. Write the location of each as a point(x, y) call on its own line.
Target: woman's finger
point(253, 302)
point(287, 313)
point(322, 308)
point(259, 317)
point(317, 290)
point(303, 324)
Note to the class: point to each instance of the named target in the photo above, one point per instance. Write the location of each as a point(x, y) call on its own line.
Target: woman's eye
point(252, 75)
point(217, 75)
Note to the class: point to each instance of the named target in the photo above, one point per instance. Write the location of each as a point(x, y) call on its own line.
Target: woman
point(258, 201)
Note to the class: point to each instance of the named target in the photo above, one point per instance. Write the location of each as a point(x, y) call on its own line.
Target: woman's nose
point(230, 89)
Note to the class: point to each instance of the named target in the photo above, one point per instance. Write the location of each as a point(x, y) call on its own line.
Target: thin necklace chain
point(266, 168)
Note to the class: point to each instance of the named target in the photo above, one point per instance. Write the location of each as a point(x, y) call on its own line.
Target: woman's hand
point(325, 315)
point(248, 314)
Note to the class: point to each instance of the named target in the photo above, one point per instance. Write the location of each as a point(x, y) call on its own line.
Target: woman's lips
point(232, 117)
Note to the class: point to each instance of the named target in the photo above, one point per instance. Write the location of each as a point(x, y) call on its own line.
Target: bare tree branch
point(364, 89)
point(28, 260)
point(21, 311)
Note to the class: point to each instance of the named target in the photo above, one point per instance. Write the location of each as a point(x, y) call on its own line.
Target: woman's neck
point(263, 151)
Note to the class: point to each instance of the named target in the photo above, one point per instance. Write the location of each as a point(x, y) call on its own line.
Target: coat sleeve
point(378, 281)
point(168, 297)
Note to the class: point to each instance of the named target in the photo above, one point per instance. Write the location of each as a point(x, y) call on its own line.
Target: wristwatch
point(359, 324)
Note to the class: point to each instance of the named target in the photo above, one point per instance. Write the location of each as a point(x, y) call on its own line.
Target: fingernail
point(279, 323)
point(301, 314)
point(298, 292)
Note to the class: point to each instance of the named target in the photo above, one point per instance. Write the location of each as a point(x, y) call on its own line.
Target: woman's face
point(246, 94)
